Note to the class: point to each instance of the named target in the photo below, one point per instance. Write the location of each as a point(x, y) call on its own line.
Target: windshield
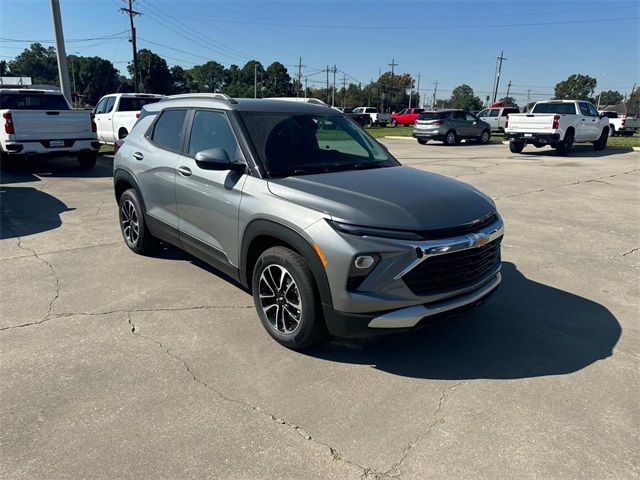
point(560, 108)
point(292, 144)
point(33, 101)
point(433, 116)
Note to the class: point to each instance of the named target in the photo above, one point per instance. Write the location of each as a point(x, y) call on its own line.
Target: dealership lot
point(121, 366)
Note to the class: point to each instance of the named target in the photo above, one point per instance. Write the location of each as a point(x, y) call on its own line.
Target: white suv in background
point(115, 114)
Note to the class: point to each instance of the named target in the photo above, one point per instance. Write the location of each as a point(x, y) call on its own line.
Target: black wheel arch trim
point(285, 234)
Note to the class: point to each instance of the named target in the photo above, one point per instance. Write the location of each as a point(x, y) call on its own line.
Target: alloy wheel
point(280, 299)
point(129, 222)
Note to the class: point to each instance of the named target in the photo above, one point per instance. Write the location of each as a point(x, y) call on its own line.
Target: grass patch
point(106, 149)
point(633, 141)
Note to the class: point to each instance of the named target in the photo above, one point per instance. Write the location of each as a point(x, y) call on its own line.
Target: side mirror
point(218, 159)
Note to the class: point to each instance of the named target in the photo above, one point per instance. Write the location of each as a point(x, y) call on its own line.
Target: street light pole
point(63, 69)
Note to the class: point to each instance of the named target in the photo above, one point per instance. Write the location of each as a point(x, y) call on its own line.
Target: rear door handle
point(184, 171)
point(138, 156)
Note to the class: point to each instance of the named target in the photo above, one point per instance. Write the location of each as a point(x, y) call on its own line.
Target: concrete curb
point(397, 137)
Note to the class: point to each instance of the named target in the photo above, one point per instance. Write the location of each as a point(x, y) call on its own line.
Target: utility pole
point(418, 90)
point(305, 88)
point(344, 90)
point(393, 64)
point(299, 77)
point(508, 88)
point(73, 77)
point(131, 12)
point(333, 92)
point(328, 70)
point(255, 80)
point(369, 92)
point(63, 70)
point(435, 91)
point(528, 97)
point(500, 59)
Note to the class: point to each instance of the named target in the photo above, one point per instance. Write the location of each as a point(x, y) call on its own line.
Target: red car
point(406, 116)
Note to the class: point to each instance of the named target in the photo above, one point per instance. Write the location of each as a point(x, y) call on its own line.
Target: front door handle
point(138, 156)
point(184, 171)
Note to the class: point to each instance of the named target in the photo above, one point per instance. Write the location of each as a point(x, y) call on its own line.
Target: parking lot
point(121, 366)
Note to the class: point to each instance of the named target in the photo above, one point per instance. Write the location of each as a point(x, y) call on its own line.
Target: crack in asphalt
point(599, 179)
point(52, 252)
point(633, 250)
point(335, 454)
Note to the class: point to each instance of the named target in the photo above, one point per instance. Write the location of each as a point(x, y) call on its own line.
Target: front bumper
point(541, 138)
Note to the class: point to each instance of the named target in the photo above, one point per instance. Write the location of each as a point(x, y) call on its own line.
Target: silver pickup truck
point(41, 122)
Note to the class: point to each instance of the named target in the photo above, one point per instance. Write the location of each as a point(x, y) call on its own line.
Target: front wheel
point(485, 137)
point(422, 141)
point(612, 131)
point(516, 147)
point(133, 226)
point(284, 293)
point(394, 122)
point(601, 143)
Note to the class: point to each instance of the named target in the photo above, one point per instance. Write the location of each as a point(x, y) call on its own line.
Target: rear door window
point(494, 112)
point(458, 116)
point(133, 104)
point(167, 131)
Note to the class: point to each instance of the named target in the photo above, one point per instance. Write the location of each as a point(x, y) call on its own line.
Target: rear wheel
point(422, 141)
point(87, 159)
point(612, 131)
point(601, 143)
point(9, 162)
point(133, 226)
point(450, 138)
point(394, 122)
point(285, 296)
point(516, 147)
point(564, 148)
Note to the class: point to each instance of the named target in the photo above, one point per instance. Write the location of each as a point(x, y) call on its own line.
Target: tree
point(36, 62)
point(4, 69)
point(576, 87)
point(209, 77)
point(634, 99)
point(394, 93)
point(155, 76)
point(463, 97)
point(94, 77)
point(509, 102)
point(610, 97)
point(278, 81)
point(178, 80)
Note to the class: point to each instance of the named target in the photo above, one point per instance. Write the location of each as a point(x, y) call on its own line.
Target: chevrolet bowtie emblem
point(480, 241)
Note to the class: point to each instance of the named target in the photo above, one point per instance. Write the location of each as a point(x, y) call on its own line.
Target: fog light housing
point(361, 266)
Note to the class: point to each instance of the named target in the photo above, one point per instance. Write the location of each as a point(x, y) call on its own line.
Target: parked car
point(623, 125)
point(378, 118)
point(450, 127)
point(406, 116)
point(115, 114)
point(559, 124)
point(362, 119)
point(41, 122)
point(497, 117)
point(327, 229)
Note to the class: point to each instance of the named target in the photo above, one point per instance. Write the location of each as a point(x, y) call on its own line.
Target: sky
point(448, 41)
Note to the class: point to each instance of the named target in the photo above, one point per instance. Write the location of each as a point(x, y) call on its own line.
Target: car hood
point(393, 197)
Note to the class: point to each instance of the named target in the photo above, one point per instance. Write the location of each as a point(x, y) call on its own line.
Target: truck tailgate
point(530, 122)
point(43, 125)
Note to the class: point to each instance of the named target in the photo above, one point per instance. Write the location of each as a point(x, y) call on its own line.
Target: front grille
point(448, 232)
point(453, 271)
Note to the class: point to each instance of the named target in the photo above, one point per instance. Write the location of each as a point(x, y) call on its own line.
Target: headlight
point(360, 231)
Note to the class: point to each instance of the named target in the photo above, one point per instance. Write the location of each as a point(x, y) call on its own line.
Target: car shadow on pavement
point(581, 151)
point(527, 329)
point(64, 167)
point(27, 210)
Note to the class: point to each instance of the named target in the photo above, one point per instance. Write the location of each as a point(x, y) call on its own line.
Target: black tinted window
point(132, 104)
point(109, 106)
point(167, 132)
point(212, 130)
point(33, 101)
point(458, 116)
point(433, 116)
point(560, 108)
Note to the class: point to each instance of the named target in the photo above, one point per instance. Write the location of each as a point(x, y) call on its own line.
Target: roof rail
point(216, 96)
point(314, 101)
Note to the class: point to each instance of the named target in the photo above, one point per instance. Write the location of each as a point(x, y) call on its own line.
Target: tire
point(122, 133)
point(450, 138)
point(422, 141)
point(9, 163)
point(601, 143)
point(368, 123)
point(612, 131)
point(286, 298)
point(516, 147)
point(564, 147)
point(394, 122)
point(485, 137)
point(133, 225)
point(87, 159)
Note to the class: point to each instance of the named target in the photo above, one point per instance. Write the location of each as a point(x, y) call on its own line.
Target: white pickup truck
point(621, 124)
point(116, 114)
point(557, 123)
point(41, 122)
point(377, 117)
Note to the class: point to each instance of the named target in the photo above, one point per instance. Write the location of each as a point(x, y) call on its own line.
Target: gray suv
point(301, 206)
point(451, 127)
